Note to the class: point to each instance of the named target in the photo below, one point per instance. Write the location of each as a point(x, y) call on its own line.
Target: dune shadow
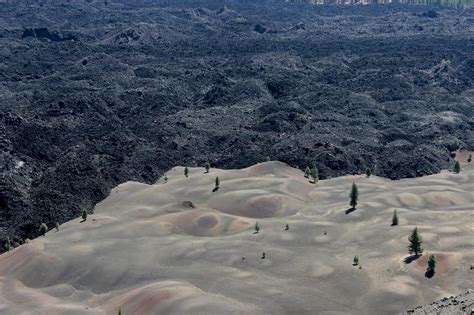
point(350, 210)
point(215, 189)
point(411, 258)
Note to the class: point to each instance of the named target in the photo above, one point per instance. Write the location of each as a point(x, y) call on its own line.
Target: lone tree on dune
point(57, 227)
point(314, 174)
point(120, 311)
point(354, 196)
point(457, 167)
point(307, 171)
point(186, 171)
point(43, 229)
point(84, 214)
point(257, 227)
point(395, 218)
point(217, 182)
point(469, 159)
point(431, 265)
point(207, 166)
point(416, 243)
point(368, 172)
point(8, 245)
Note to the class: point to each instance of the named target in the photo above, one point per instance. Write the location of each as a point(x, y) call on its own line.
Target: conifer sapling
point(395, 218)
point(457, 167)
point(8, 245)
point(354, 196)
point(368, 172)
point(314, 174)
point(416, 243)
point(43, 229)
point(307, 171)
point(431, 264)
point(355, 261)
point(84, 214)
point(257, 227)
point(186, 171)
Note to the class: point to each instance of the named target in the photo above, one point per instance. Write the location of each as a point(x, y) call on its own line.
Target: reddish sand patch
point(443, 263)
point(15, 259)
point(139, 301)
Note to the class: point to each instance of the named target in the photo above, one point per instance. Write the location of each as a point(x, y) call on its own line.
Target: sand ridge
point(183, 247)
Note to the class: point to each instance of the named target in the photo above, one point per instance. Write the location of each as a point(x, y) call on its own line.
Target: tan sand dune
point(183, 247)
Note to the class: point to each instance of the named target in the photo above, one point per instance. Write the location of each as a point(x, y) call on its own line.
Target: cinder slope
point(183, 247)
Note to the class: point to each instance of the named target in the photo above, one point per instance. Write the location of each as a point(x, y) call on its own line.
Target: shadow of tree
point(215, 189)
point(350, 210)
point(411, 258)
point(429, 273)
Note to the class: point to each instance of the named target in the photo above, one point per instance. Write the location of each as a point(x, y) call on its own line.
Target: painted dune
point(181, 248)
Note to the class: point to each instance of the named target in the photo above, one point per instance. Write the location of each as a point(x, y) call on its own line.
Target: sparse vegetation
point(165, 179)
point(469, 159)
point(354, 196)
point(394, 218)
point(57, 227)
point(287, 227)
point(186, 171)
point(43, 229)
point(207, 166)
point(416, 243)
point(457, 167)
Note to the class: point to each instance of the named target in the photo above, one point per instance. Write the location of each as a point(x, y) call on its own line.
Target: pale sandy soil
point(180, 248)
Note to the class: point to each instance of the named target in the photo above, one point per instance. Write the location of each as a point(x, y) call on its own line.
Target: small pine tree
point(469, 159)
point(186, 171)
point(217, 182)
point(8, 245)
point(165, 179)
point(120, 311)
point(307, 171)
point(354, 196)
point(457, 167)
point(395, 218)
point(257, 227)
point(368, 172)
point(84, 214)
point(207, 166)
point(431, 264)
point(355, 261)
point(314, 174)
point(43, 229)
point(57, 227)
point(416, 243)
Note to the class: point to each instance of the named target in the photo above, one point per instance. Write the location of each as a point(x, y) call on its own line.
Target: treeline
point(458, 4)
